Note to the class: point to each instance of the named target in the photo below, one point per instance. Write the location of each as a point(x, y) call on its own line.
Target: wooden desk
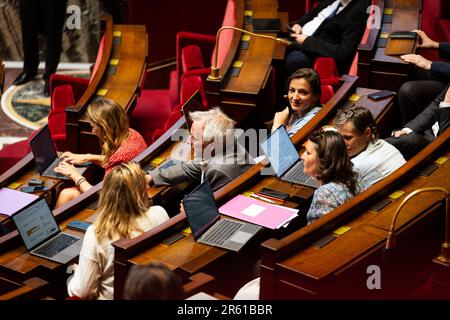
point(50, 195)
point(188, 257)
point(119, 75)
point(33, 288)
point(292, 267)
point(16, 264)
point(389, 72)
point(241, 96)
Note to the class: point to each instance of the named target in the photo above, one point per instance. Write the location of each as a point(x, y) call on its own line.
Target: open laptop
point(285, 160)
point(45, 155)
point(194, 103)
point(41, 234)
point(208, 227)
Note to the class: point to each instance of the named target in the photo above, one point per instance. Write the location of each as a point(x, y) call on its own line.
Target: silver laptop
point(208, 227)
point(41, 234)
point(285, 160)
point(45, 155)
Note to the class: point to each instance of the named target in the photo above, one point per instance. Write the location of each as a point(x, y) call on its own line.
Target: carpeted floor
point(24, 108)
point(11, 131)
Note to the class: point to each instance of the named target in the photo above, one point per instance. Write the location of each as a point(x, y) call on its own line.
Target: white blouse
point(94, 276)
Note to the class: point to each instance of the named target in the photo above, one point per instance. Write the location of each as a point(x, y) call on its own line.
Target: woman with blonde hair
point(122, 213)
point(119, 143)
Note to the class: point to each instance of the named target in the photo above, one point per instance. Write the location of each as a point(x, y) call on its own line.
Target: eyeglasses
point(346, 113)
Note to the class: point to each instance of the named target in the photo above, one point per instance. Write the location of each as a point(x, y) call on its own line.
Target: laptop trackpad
point(241, 237)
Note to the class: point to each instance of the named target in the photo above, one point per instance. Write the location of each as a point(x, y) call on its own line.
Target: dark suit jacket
point(427, 118)
point(339, 36)
point(440, 70)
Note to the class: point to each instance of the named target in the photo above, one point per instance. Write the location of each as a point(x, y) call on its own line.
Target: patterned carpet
point(27, 106)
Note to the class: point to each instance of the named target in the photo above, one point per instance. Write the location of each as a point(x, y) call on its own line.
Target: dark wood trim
point(274, 250)
point(75, 112)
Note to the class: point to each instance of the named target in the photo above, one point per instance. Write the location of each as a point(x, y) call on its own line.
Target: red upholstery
point(61, 98)
point(99, 57)
point(11, 154)
point(188, 87)
point(191, 58)
point(189, 61)
point(327, 93)
point(327, 70)
point(226, 36)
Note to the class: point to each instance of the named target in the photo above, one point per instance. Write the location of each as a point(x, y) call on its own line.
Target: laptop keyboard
point(52, 174)
point(55, 246)
point(296, 175)
point(221, 232)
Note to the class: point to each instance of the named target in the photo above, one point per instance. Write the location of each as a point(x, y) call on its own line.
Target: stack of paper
point(258, 212)
point(14, 200)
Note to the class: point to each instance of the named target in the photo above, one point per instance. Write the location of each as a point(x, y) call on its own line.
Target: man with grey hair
point(217, 155)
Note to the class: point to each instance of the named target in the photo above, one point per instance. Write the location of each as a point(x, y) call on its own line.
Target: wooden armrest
point(33, 288)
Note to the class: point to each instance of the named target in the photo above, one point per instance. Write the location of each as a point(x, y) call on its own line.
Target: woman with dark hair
point(326, 159)
point(304, 93)
point(152, 282)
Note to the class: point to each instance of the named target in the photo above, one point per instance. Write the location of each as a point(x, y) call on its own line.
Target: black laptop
point(194, 103)
point(285, 160)
point(41, 234)
point(208, 227)
point(45, 155)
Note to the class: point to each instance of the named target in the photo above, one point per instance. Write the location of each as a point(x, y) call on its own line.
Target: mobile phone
point(35, 182)
point(381, 94)
point(32, 189)
point(169, 163)
point(274, 193)
point(78, 225)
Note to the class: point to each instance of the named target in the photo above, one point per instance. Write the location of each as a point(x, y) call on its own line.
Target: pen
point(262, 198)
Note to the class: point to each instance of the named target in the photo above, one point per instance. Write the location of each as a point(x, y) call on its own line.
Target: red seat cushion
point(13, 153)
point(191, 58)
point(327, 93)
point(152, 109)
point(62, 97)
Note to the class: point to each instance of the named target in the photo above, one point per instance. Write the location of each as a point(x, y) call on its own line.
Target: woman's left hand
point(68, 170)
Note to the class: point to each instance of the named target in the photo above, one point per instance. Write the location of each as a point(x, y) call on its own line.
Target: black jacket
point(440, 70)
point(427, 118)
point(339, 36)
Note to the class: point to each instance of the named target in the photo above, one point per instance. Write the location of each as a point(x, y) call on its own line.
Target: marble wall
point(79, 45)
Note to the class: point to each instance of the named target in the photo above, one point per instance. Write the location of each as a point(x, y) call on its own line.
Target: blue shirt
point(301, 122)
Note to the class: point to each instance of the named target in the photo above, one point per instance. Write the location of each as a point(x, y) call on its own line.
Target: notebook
point(41, 234)
point(45, 156)
point(284, 158)
point(194, 103)
point(208, 227)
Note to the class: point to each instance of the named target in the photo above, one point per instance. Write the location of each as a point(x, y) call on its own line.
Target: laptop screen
point(194, 103)
point(43, 149)
point(35, 223)
point(201, 209)
point(280, 151)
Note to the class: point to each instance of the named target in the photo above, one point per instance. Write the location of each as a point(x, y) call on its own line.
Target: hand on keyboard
point(72, 158)
point(67, 170)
